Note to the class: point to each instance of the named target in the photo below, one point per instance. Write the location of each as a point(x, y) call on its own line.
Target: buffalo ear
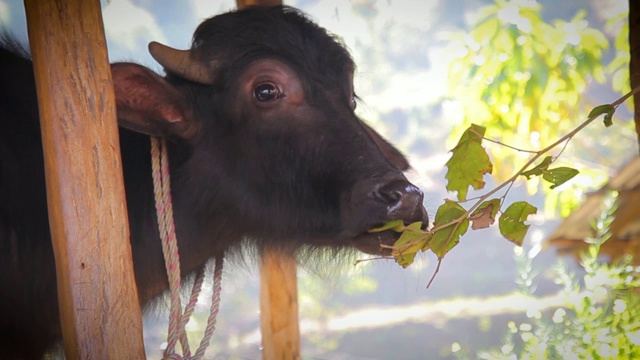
point(390, 152)
point(148, 104)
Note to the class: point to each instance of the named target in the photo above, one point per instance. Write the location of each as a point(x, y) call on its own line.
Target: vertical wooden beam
point(99, 308)
point(634, 65)
point(278, 287)
point(279, 306)
point(269, 3)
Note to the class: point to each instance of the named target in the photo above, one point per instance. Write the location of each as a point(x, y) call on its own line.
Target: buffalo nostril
point(390, 196)
point(398, 192)
point(403, 201)
point(374, 202)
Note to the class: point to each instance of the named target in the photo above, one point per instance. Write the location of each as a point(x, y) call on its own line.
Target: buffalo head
point(264, 137)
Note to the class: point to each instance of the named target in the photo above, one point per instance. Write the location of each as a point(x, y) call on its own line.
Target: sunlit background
point(426, 70)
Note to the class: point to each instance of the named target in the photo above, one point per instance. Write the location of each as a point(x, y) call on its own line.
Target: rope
point(166, 227)
point(213, 311)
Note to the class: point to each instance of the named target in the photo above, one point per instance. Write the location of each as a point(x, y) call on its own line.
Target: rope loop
point(166, 227)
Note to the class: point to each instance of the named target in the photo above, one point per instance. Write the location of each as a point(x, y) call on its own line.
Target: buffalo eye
point(266, 92)
point(353, 103)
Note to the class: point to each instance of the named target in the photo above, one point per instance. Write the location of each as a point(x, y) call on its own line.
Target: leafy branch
point(466, 167)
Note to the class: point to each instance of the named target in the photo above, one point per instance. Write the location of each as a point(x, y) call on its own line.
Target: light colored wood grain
point(99, 307)
point(279, 307)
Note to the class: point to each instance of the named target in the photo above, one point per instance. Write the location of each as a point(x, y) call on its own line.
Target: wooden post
point(99, 308)
point(279, 306)
point(278, 287)
point(243, 3)
point(634, 64)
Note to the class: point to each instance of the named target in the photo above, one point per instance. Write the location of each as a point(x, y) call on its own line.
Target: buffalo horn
point(181, 63)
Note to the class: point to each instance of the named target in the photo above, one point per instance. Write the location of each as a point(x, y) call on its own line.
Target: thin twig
point(433, 277)
point(373, 258)
point(507, 145)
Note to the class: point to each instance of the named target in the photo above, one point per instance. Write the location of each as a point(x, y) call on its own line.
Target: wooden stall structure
point(99, 308)
point(244, 3)
point(569, 237)
point(634, 63)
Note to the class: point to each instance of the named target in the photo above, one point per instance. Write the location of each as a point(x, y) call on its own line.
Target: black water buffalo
point(264, 148)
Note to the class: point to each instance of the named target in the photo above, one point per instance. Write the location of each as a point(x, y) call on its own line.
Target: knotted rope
point(177, 319)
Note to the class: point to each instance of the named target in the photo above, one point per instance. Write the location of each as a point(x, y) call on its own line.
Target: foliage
point(520, 74)
point(599, 317)
point(523, 78)
point(468, 165)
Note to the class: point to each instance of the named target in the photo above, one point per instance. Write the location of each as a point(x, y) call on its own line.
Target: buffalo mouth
point(372, 205)
point(380, 243)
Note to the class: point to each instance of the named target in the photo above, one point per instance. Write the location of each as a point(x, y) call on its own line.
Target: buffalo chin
point(378, 243)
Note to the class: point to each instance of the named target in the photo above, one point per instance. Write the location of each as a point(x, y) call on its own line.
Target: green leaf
point(511, 222)
point(485, 215)
point(445, 239)
point(559, 176)
point(473, 133)
point(539, 169)
point(469, 162)
point(395, 225)
point(608, 110)
point(412, 240)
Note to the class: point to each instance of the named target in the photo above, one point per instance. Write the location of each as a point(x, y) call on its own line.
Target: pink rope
point(213, 312)
point(166, 227)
